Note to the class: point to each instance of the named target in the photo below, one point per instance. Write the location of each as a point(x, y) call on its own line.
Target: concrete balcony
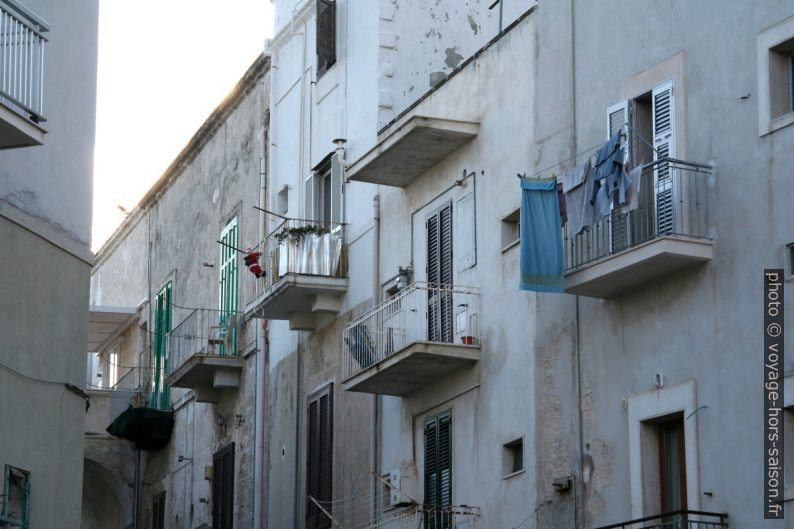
point(305, 265)
point(21, 76)
point(203, 354)
point(667, 232)
point(420, 335)
point(411, 147)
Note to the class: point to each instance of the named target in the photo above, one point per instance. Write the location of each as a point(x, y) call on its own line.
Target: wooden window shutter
point(663, 110)
point(326, 35)
point(438, 470)
point(319, 457)
point(466, 230)
point(439, 275)
point(337, 182)
point(227, 294)
point(223, 488)
point(309, 188)
point(618, 118)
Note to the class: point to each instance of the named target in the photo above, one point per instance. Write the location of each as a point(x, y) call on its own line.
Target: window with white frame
point(323, 192)
point(775, 49)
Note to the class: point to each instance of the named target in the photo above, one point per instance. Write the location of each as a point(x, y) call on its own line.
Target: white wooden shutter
point(309, 185)
point(663, 110)
point(337, 181)
point(618, 118)
point(465, 234)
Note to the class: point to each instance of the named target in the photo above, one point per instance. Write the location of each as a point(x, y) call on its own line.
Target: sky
point(164, 65)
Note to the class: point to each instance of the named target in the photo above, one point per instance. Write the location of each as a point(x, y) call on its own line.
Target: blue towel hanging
point(542, 264)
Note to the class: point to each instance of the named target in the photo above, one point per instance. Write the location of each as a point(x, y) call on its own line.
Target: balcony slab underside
point(206, 375)
point(17, 130)
point(411, 149)
point(412, 368)
point(298, 297)
point(615, 274)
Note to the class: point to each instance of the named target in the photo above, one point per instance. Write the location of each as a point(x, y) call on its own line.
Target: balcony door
point(672, 467)
point(439, 275)
point(223, 488)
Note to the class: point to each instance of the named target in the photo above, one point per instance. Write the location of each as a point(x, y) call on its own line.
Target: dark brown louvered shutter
point(439, 275)
point(438, 471)
point(158, 512)
point(319, 456)
point(326, 35)
point(223, 488)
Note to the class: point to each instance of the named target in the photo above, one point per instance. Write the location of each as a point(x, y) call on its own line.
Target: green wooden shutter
point(228, 287)
point(439, 275)
point(319, 457)
point(163, 316)
point(438, 470)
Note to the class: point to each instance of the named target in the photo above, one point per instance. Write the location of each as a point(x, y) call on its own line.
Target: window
point(158, 511)
point(775, 49)
point(227, 286)
point(438, 471)
point(319, 457)
point(326, 35)
point(513, 457)
point(510, 230)
point(16, 497)
point(223, 488)
point(789, 267)
point(282, 201)
point(163, 316)
point(323, 192)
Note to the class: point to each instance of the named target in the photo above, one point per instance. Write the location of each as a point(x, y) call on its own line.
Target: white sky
point(164, 65)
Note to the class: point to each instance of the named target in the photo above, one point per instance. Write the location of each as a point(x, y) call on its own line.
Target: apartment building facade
point(176, 355)
point(47, 124)
point(410, 381)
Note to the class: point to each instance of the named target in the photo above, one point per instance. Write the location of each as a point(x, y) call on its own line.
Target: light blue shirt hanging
point(542, 264)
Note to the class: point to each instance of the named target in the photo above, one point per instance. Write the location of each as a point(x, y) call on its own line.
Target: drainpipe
point(375, 301)
point(261, 353)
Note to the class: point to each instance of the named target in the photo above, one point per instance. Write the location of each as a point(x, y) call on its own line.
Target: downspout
point(298, 378)
point(261, 346)
point(375, 398)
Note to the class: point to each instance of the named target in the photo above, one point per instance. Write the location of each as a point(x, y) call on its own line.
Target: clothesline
point(590, 150)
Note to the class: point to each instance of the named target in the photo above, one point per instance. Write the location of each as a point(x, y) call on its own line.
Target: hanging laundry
point(542, 264)
point(602, 205)
point(608, 166)
point(251, 260)
point(576, 182)
point(561, 200)
point(633, 198)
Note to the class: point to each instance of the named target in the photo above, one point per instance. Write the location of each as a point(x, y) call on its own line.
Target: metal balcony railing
point(676, 520)
point(22, 59)
point(423, 312)
point(301, 247)
point(203, 332)
point(133, 379)
point(672, 200)
point(136, 379)
point(426, 517)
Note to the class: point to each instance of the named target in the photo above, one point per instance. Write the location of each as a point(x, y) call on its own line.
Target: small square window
point(789, 258)
point(775, 57)
point(513, 457)
point(511, 234)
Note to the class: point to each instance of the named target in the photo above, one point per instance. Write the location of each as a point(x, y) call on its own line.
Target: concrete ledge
point(412, 368)
point(613, 275)
point(16, 130)
point(411, 149)
point(207, 374)
point(298, 293)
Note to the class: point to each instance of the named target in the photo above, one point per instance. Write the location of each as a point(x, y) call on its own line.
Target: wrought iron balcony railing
point(296, 246)
point(676, 520)
point(672, 200)
point(423, 312)
point(203, 332)
point(426, 517)
point(22, 59)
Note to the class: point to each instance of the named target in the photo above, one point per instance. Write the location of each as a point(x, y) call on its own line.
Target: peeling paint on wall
point(453, 57)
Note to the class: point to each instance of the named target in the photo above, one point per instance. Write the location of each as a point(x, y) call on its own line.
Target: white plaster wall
point(53, 182)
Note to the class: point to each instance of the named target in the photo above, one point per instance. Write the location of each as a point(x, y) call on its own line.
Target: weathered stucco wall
point(172, 237)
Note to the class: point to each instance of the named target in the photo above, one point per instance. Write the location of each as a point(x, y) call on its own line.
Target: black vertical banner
point(773, 394)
